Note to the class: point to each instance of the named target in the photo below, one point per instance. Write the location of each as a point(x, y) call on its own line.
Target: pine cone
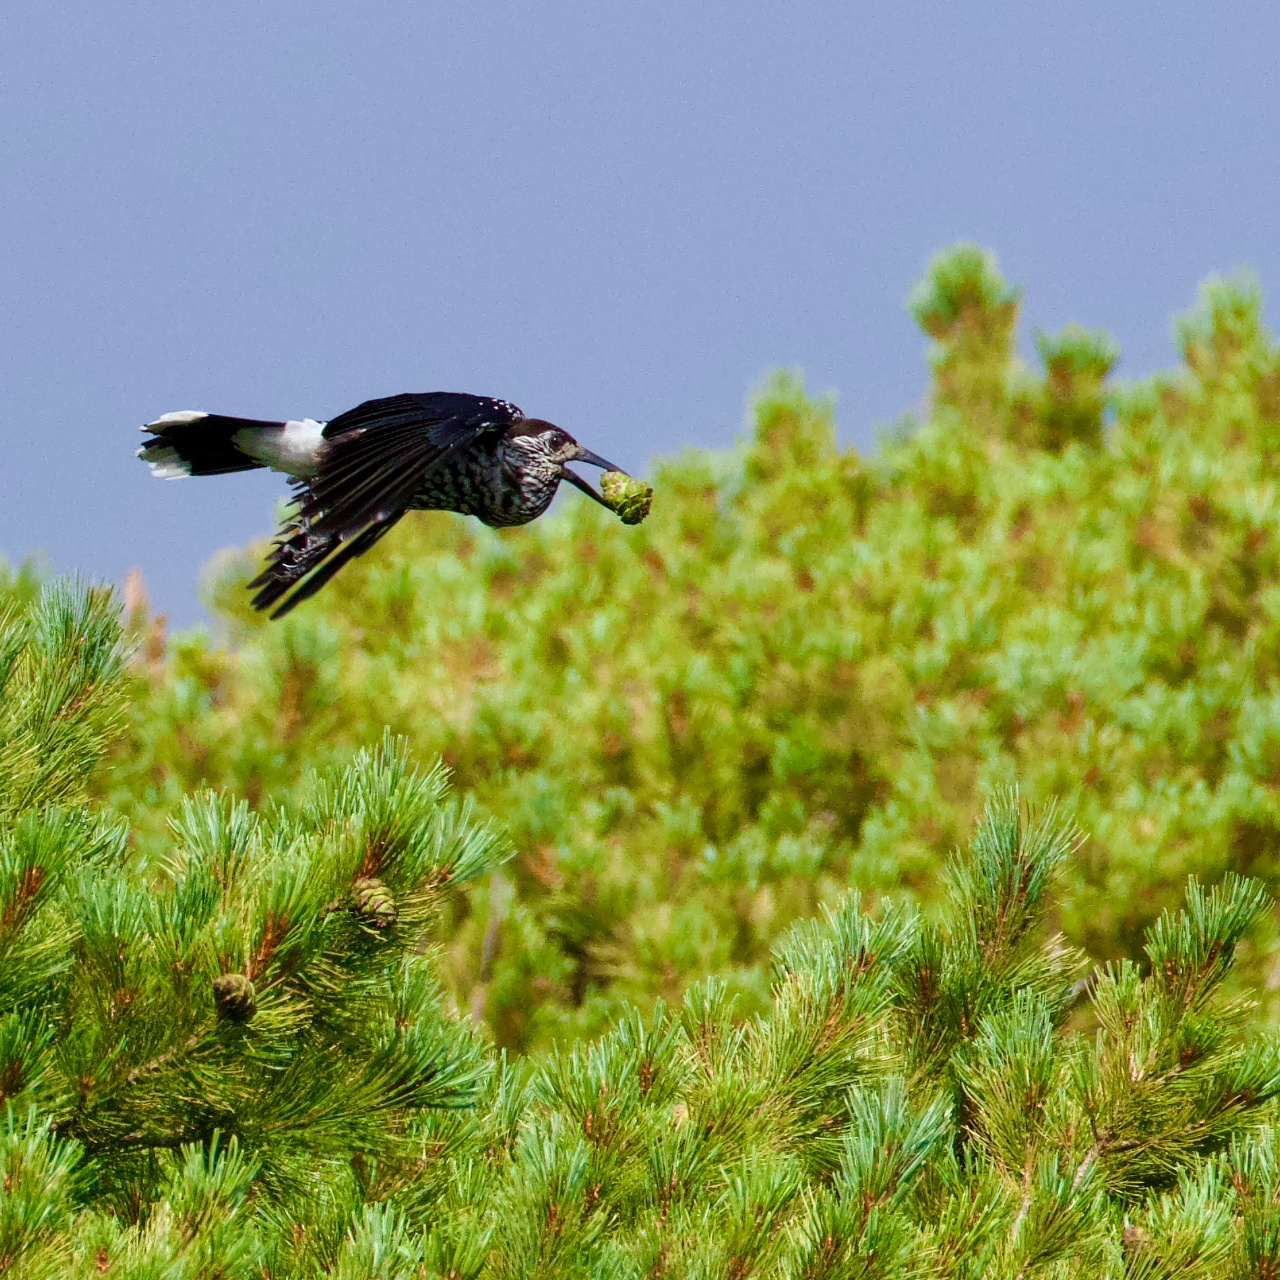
point(373, 903)
point(626, 495)
point(235, 997)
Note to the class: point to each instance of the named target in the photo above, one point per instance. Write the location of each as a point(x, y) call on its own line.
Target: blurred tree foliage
point(803, 671)
point(234, 1061)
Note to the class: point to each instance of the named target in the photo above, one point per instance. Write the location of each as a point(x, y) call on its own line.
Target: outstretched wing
point(303, 561)
point(377, 455)
point(375, 458)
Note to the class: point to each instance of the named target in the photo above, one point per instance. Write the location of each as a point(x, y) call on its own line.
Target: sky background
point(619, 216)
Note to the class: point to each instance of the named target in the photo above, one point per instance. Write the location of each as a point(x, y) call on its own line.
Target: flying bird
point(356, 475)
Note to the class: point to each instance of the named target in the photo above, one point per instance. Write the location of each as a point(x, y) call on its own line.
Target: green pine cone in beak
point(626, 495)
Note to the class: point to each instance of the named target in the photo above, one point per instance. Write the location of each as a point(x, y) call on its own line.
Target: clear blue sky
point(616, 215)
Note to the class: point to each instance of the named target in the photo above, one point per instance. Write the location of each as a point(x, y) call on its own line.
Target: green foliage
point(230, 1057)
point(1076, 363)
point(961, 289)
point(1225, 326)
point(952, 1096)
point(800, 672)
point(252, 1016)
point(56, 649)
point(965, 305)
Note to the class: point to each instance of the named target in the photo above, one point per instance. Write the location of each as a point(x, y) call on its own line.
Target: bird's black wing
point(308, 563)
point(378, 454)
point(375, 457)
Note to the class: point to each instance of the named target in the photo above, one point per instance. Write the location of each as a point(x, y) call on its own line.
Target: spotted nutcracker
point(356, 475)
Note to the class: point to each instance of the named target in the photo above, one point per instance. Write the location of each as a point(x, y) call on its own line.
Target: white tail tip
point(164, 461)
point(179, 417)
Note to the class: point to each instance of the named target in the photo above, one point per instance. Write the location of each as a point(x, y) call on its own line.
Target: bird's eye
point(557, 439)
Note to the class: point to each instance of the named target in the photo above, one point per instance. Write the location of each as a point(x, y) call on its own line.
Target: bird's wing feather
point(296, 553)
point(310, 570)
point(375, 457)
point(379, 454)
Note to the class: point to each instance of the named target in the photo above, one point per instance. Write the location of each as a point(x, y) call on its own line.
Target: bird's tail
point(188, 443)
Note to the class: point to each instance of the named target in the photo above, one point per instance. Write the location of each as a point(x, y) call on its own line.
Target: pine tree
point(804, 669)
point(961, 1096)
point(236, 1061)
point(212, 1064)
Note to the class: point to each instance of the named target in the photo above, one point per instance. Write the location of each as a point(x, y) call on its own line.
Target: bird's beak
point(593, 460)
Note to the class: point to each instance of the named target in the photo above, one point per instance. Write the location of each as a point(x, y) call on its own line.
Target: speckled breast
point(481, 486)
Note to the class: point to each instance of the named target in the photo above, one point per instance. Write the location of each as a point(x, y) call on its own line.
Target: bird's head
point(550, 448)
